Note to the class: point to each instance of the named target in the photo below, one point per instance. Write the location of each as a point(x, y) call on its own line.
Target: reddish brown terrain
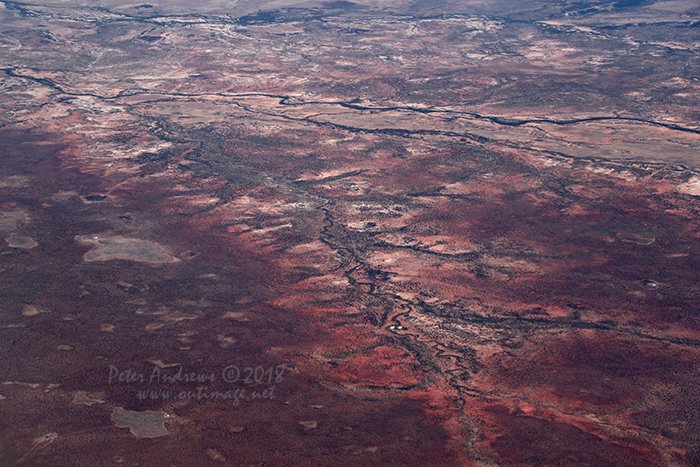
point(350, 234)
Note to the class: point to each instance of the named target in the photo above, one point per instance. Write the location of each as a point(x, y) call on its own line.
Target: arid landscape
point(421, 234)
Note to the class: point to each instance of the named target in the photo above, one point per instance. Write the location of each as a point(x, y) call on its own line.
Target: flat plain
point(446, 233)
